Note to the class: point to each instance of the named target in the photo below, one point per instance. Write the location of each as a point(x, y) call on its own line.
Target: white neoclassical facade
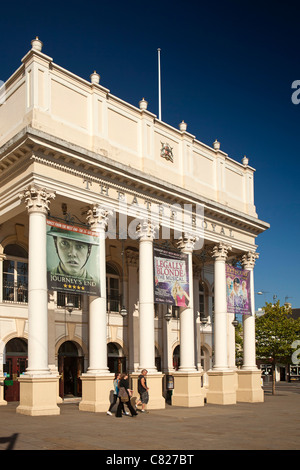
point(73, 153)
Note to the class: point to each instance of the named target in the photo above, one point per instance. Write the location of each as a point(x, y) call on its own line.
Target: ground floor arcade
point(76, 342)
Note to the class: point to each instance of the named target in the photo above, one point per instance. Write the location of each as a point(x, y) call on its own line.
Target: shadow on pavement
point(11, 440)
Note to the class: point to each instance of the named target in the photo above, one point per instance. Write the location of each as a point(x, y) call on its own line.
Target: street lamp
point(123, 311)
point(69, 307)
point(267, 292)
point(203, 321)
point(168, 314)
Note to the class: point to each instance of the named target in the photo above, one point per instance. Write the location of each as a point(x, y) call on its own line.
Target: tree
point(275, 333)
point(239, 344)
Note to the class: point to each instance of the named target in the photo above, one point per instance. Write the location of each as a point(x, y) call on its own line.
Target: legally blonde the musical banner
point(72, 259)
point(171, 277)
point(238, 290)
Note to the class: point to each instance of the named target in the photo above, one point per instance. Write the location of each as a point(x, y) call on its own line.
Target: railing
point(113, 303)
point(63, 299)
point(15, 294)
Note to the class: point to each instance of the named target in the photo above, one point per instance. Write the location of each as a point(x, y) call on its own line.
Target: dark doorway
point(70, 367)
point(116, 362)
point(176, 358)
point(16, 362)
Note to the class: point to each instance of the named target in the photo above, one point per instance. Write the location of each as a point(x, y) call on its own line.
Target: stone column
point(187, 336)
point(97, 381)
point(249, 377)
point(187, 380)
point(38, 388)
point(98, 219)
point(132, 260)
point(220, 318)
point(221, 378)
point(146, 233)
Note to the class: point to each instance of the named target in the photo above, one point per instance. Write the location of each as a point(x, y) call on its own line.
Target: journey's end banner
point(238, 290)
point(171, 277)
point(72, 259)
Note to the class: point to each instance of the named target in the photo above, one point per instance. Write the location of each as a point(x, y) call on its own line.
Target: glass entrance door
point(14, 367)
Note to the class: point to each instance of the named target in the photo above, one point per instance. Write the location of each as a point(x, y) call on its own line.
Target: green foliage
point(275, 333)
point(239, 344)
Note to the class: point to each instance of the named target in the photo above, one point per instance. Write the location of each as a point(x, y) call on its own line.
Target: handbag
point(123, 395)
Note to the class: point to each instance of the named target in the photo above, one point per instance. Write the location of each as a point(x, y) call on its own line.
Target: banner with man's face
point(171, 277)
point(72, 259)
point(238, 290)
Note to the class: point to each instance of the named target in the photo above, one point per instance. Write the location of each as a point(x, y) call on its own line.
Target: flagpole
point(159, 87)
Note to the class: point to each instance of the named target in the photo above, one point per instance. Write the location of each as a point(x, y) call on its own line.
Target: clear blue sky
point(227, 69)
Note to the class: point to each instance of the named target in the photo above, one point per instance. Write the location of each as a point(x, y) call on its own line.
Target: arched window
point(15, 274)
point(113, 299)
point(176, 357)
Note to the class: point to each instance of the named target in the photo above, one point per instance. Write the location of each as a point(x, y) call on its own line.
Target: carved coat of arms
point(166, 152)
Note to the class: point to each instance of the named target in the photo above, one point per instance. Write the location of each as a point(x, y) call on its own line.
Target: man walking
point(143, 390)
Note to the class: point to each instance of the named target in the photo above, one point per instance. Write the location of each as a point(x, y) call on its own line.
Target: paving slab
point(271, 425)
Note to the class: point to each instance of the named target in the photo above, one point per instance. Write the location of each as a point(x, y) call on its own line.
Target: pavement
point(271, 425)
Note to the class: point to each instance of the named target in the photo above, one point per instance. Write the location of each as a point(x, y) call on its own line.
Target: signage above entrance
point(172, 215)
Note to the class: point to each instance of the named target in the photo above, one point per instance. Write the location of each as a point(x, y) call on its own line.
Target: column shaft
point(249, 320)
point(220, 314)
point(98, 218)
point(38, 387)
point(37, 201)
point(146, 298)
point(37, 296)
point(187, 336)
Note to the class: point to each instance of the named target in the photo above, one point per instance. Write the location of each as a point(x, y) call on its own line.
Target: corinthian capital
point(37, 199)
point(97, 218)
point(186, 243)
point(248, 259)
point(220, 251)
point(146, 231)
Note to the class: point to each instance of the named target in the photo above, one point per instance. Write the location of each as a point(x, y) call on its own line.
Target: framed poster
point(171, 277)
point(72, 259)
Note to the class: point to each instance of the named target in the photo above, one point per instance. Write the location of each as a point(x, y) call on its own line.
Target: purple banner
point(238, 290)
point(171, 277)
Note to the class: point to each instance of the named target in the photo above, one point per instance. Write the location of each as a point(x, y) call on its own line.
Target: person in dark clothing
point(124, 382)
point(143, 391)
point(115, 397)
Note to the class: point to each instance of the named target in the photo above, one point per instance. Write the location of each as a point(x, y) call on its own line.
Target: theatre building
point(125, 244)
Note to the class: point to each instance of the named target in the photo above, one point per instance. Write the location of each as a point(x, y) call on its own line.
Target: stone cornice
point(73, 159)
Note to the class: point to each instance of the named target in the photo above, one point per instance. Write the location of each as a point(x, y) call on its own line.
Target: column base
point(249, 386)
point(187, 389)
point(221, 388)
point(155, 384)
point(96, 390)
point(38, 396)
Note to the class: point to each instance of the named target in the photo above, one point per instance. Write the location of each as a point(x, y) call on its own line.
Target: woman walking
point(116, 391)
point(124, 384)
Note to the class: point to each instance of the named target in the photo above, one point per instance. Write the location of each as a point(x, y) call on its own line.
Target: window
point(15, 275)
point(201, 301)
point(113, 299)
point(63, 299)
point(175, 312)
